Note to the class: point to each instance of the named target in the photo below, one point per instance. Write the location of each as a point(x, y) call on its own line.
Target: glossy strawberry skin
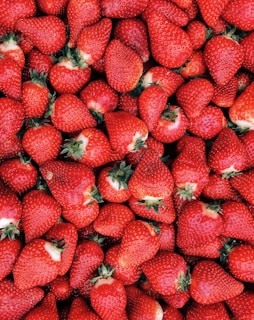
point(242, 305)
point(121, 9)
point(211, 11)
point(52, 7)
point(198, 311)
point(79, 308)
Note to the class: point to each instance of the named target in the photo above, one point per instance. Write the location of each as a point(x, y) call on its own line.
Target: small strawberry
point(198, 311)
point(123, 66)
point(199, 33)
point(122, 9)
point(210, 283)
point(184, 4)
point(242, 305)
point(61, 288)
point(178, 299)
point(192, 10)
point(247, 43)
point(244, 78)
point(80, 309)
point(52, 7)
point(171, 313)
point(10, 48)
point(195, 66)
point(39, 61)
point(46, 32)
point(248, 141)
point(224, 96)
point(211, 11)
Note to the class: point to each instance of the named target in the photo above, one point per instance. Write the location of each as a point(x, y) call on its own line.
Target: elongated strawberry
point(10, 48)
point(242, 305)
point(165, 37)
point(52, 7)
point(211, 11)
point(122, 9)
point(210, 283)
point(80, 309)
point(201, 311)
point(127, 133)
point(123, 66)
point(46, 32)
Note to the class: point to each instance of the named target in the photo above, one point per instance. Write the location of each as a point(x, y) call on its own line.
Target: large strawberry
point(122, 9)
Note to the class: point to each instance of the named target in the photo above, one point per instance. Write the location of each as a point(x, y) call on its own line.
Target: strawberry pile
point(126, 159)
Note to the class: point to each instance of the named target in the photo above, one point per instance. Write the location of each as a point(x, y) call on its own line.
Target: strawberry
point(201, 311)
point(99, 98)
point(65, 234)
point(46, 32)
point(223, 67)
point(198, 33)
point(227, 155)
point(61, 288)
point(210, 283)
point(248, 141)
point(224, 96)
point(123, 66)
point(122, 9)
point(140, 243)
point(244, 78)
point(194, 96)
point(88, 257)
point(9, 251)
point(69, 114)
point(171, 313)
point(241, 112)
point(133, 33)
point(10, 78)
point(80, 309)
point(146, 183)
point(37, 264)
point(127, 133)
point(44, 207)
point(208, 124)
point(247, 43)
point(113, 182)
point(10, 146)
point(35, 95)
point(167, 236)
point(242, 305)
point(15, 302)
point(25, 44)
point(10, 48)
point(42, 137)
point(171, 126)
point(164, 38)
point(93, 40)
point(81, 14)
point(198, 224)
point(39, 61)
point(44, 308)
point(52, 7)
point(184, 4)
point(139, 303)
point(239, 13)
point(150, 96)
point(192, 10)
point(211, 11)
point(12, 12)
point(178, 299)
point(195, 66)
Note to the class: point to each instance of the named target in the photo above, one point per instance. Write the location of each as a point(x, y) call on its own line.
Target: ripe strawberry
point(69, 114)
point(52, 7)
point(242, 305)
point(65, 234)
point(12, 12)
point(42, 137)
point(123, 66)
point(199, 33)
point(25, 44)
point(211, 11)
point(178, 299)
point(198, 224)
point(39, 61)
point(195, 66)
point(81, 14)
point(88, 257)
point(140, 242)
point(79, 310)
point(127, 133)
point(9, 251)
point(247, 44)
point(198, 311)
point(10, 77)
point(165, 37)
point(99, 98)
point(184, 4)
point(244, 79)
point(15, 302)
point(128, 103)
point(241, 112)
point(208, 124)
point(11, 49)
point(171, 313)
point(122, 9)
point(46, 32)
point(167, 236)
point(37, 264)
point(61, 288)
point(171, 125)
point(194, 96)
point(224, 96)
point(93, 40)
point(139, 303)
point(248, 141)
point(192, 10)
point(10, 146)
point(223, 67)
point(227, 155)
point(210, 283)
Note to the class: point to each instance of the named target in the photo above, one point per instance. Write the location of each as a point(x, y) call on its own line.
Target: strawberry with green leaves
point(35, 60)
point(10, 48)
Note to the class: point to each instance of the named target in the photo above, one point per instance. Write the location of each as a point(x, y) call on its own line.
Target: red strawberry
point(184, 4)
point(244, 79)
point(61, 288)
point(10, 78)
point(81, 14)
point(194, 96)
point(122, 9)
point(178, 299)
point(242, 305)
point(139, 303)
point(165, 37)
point(192, 10)
point(247, 43)
point(198, 224)
point(9, 251)
point(211, 11)
point(65, 234)
point(171, 313)
point(52, 7)
point(248, 141)
point(37, 264)
point(133, 33)
point(88, 257)
point(93, 40)
point(224, 96)
point(99, 98)
point(25, 44)
point(227, 155)
point(123, 66)
point(127, 133)
point(198, 33)
point(15, 302)
point(42, 137)
point(10, 48)
point(167, 236)
point(223, 67)
point(46, 32)
point(241, 112)
point(171, 126)
point(140, 242)
point(195, 66)
point(69, 114)
point(10, 146)
point(39, 61)
point(198, 311)
point(208, 124)
point(210, 283)
point(80, 309)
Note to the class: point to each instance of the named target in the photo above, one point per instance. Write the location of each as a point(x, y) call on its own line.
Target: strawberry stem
point(10, 231)
point(104, 272)
point(121, 174)
point(71, 148)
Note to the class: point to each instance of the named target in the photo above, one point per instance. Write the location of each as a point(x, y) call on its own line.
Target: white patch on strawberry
point(138, 136)
point(93, 105)
point(114, 184)
point(87, 57)
point(230, 169)
point(245, 124)
point(4, 222)
point(102, 281)
point(68, 64)
point(49, 175)
point(147, 79)
point(84, 140)
point(151, 198)
point(53, 251)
